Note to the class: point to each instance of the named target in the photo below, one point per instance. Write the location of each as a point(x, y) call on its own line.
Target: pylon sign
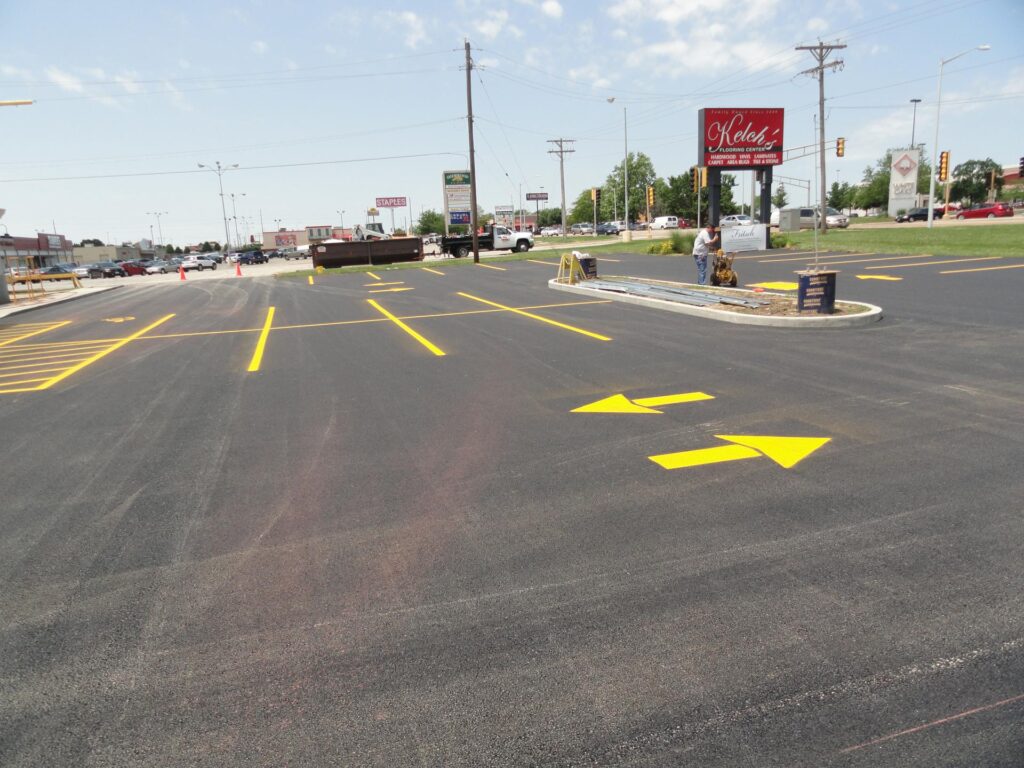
point(737, 137)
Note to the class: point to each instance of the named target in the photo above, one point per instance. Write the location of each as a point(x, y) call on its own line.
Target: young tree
point(550, 217)
point(641, 175)
point(430, 221)
point(205, 247)
point(582, 210)
point(781, 197)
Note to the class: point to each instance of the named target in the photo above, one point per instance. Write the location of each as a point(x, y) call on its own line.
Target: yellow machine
point(722, 272)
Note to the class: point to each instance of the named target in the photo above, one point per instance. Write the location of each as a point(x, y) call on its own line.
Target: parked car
point(986, 211)
point(106, 269)
point(81, 271)
point(252, 257)
point(133, 268)
point(606, 228)
point(665, 222)
point(917, 214)
point(736, 220)
point(581, 229)
point(551, 232)
point(160, 267)
point(836, 219)
point(198, 263)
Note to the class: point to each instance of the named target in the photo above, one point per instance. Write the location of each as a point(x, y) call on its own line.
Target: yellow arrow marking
point(878, 277)
point(391, 290)
point(776, 286)
point(621, 404)
point(118, 319)
point(380, 284)
point(613, 404)
point(787, 452)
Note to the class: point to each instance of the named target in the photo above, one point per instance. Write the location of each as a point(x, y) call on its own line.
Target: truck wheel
point(523, 245)
point(461, 252)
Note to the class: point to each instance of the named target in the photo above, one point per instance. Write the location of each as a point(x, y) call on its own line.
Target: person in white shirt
point(706, 239)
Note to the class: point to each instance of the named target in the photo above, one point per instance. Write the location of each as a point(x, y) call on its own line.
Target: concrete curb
point(871, 313)
point(7, 310)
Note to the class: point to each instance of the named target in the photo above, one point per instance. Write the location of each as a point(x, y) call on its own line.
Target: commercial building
point(90, 254)
point(36, 252)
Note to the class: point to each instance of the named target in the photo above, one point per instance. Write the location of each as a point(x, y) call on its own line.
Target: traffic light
point(695, 179)
point(840, 146)
point(593, 194)
point(704, 176)
point(650, 197)
point(943, 166)
point(597, 198)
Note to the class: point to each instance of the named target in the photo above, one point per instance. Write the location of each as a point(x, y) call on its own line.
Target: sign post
point(457, 204)
point(537, 197)
point(392, 203)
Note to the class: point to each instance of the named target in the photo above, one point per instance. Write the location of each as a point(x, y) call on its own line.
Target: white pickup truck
point(496, 239)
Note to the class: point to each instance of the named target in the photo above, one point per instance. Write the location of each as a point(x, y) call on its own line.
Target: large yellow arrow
point(622, 404)
point(785, 451)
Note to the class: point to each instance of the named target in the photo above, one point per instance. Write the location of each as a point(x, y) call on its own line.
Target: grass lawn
point(988, 240)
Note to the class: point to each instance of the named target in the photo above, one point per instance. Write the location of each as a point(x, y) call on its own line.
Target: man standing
point(706, 240)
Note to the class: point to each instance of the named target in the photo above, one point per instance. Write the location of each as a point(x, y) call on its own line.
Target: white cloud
point(129, 82)
point(184, 63)
point(64, 80)
point(674, 12)
point(492, 63)
point(290, 65)
point(258, 47)
point(177, 97)
point(816, 24)
point(496, 23)
point(551, 8)
point(703, 54)
point(8, 71)
point(413, 25)
point(330, 49)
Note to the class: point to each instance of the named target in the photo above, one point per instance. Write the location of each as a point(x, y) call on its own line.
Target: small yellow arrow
point(124, 319)
point(878, 277)
point(622, 404)
point(785, 451)
point(390, 290)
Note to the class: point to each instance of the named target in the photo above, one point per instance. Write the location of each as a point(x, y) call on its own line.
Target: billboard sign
point(504, 215)
point(752, 237)
point(457, 204)
point(739, 138)
point(542, 196)
point(391, 202)
point(903, 180)
point(283, 241)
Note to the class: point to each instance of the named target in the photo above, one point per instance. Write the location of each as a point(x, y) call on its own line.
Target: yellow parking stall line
point(14, 386)
point(822, 258)
point(55, 356)
point(980, 269)
point(28, 373)
point(491, 266)
point(604, 258)
point(310, 279)
point(545, 263)
point(532, 316)
point(421, 339)
point(261, 343)
point(762, 255)
point(433, 271)
point(379, 284)
point(373, 275)
point(904, 257)
point(930, 263)
point(30, 331)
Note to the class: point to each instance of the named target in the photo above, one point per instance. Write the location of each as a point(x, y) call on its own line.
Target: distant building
point(90, 254)
point(42, 250)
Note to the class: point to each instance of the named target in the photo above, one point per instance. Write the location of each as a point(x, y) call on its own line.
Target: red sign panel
point(391, 202)
point(740, 138)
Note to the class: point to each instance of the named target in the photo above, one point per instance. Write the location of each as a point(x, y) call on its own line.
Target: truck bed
point(368, 252)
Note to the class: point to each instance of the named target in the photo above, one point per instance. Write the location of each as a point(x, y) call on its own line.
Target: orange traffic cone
point(238, 269)
point(181, 272)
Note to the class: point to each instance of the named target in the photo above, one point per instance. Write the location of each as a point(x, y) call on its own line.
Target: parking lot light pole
point(234, 214)
point(159, 228)
point(219, 170)
point(935, 146)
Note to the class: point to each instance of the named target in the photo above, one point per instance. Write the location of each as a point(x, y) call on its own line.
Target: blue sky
point(148, 90)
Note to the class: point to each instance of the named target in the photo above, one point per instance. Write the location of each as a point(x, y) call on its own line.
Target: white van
point(665, 222)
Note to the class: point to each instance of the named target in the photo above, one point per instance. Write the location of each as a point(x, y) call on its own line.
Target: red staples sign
point(739, 138)
point(391, 202)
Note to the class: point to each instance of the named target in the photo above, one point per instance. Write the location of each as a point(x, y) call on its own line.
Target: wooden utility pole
point(472, 156)
point(820, 52)
point(562, 151)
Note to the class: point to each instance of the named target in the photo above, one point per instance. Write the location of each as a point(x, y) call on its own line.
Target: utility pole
point(820, 52)
point(472, 156)
point(562, 151)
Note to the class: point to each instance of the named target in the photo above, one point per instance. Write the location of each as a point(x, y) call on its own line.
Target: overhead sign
point(739, 138)
point(537, 196)
point(457, 197)
point(749, 237)
point(903, 180)
point(391, 202)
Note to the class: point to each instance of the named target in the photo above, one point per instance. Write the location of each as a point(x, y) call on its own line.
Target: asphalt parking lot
point(378, 519)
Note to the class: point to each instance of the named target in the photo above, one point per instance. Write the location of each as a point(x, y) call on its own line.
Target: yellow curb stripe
point(44, 329)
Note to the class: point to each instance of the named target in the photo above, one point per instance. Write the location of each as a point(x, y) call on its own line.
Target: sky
point(325, 106)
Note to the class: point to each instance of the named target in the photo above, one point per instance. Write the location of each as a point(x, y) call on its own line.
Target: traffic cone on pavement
point(181, 272)
point(238, 269)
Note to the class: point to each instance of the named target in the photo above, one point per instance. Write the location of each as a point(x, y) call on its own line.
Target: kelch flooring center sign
point(739, 138)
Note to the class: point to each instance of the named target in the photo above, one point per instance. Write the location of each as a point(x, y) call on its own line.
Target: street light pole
point(935, 146)
point(219, 170)
point(913, 125)
point(342, 215)
point(159, 227)
point(234, 214)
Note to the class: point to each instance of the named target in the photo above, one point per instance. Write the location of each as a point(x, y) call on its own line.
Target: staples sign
point(740, 138)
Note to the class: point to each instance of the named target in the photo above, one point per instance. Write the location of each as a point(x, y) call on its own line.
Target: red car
point(986, 211)
point(133, 267)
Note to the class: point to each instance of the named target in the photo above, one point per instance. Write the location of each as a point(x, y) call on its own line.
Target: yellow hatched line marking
point(491, 266)
point(373, 275)
point(28, 373)
point(433, 271)
point(980, 269)
point(89, 360)
point(62, 364)
point(261, 343)
point(55, 356)
point(572, 328)
point(68, 346)
point(421, 339)
point(929, 263)
point(36, 332)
